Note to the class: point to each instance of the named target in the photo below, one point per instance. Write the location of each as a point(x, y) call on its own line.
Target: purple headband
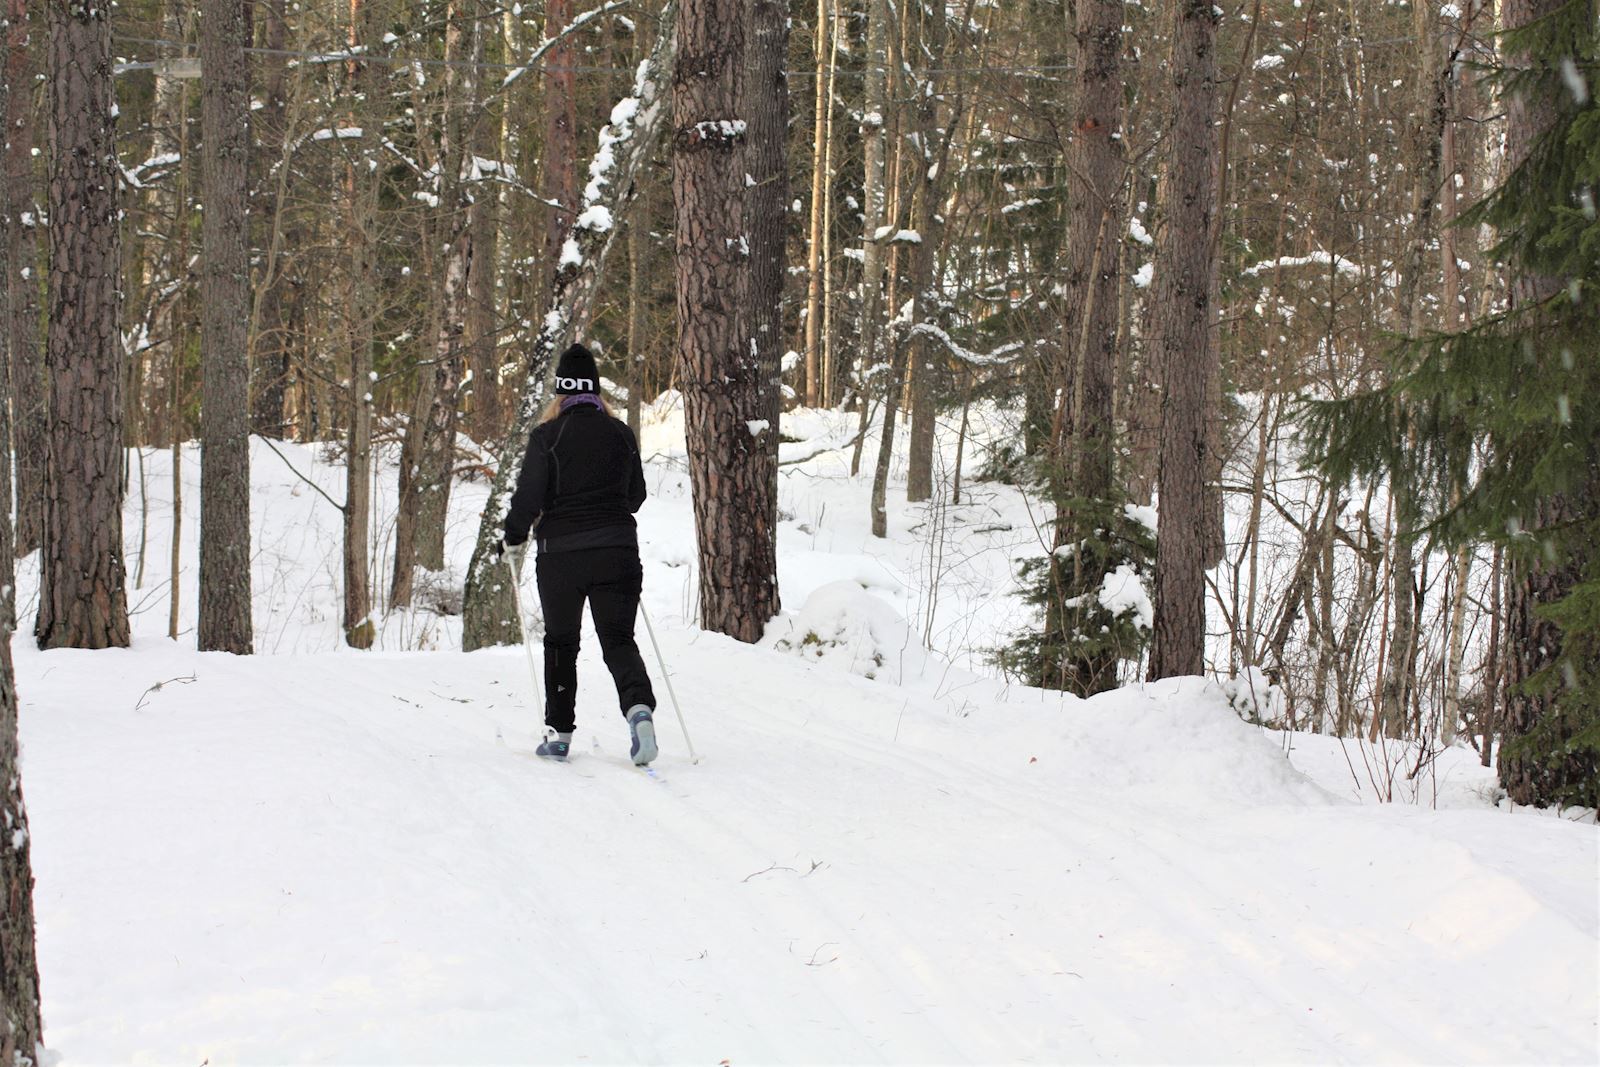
point(569, 402)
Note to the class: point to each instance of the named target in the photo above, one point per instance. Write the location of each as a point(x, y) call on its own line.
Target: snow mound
point(847, 628)
point(1176, 742)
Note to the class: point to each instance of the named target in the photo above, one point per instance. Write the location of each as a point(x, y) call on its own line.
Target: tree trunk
point(360, 322)
point(225, 624)
point(488, 613)
point(815, 264)
point(271, 340)
point(482, 345)
point(428, 456)
point(1532, 643)
point(18, 219)
point(730, 465)
point(1083, 451)
point(929, 227)
point(20, 1023)
point(765, 108)
point(1185, 310)
point(560, 150)
point(82, 602)
point(20, 1027)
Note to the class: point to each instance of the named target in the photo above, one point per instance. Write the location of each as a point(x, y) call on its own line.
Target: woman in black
point(581, 483)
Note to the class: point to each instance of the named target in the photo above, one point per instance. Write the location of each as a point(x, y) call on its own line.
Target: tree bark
point(20, 1026)
point(928, 224)
point(821, 107)
point(1533, 643)
point(766, 110)
point(19, 215)
point(427, 458)
point(271, 341)
point(225, 624)
point(730, 466)
point(1083, 451)
point(82, 602)
point(1185, 310)
point(360, 322)
point(560, 150)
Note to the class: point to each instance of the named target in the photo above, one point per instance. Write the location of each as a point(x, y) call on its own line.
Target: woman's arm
point(527, 503)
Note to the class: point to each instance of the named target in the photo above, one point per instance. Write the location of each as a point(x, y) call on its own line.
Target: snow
point(1122, 591)
point(343, 133)
point(721, 129)
point(1318, 258)
point(1144, 276)
point(571, 255)
point(1268, 62)
point(596, 217)
point(887, 854)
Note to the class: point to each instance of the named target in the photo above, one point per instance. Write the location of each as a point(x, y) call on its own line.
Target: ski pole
point(667, 678)
point(522, 628)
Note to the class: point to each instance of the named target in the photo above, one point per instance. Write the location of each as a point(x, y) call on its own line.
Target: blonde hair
point(553, 409)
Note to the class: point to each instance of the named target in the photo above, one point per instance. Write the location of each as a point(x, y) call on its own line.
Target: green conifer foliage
point(1497, 428)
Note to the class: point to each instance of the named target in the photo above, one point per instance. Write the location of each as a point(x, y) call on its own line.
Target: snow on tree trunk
point(489, 617)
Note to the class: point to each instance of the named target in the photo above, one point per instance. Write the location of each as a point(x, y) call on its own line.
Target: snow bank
point(844, 626)
point(1176, 742)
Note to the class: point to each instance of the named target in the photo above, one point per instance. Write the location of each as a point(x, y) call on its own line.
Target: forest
point(1140, 339)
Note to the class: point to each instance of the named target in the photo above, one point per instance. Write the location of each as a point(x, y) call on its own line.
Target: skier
point(581, 483)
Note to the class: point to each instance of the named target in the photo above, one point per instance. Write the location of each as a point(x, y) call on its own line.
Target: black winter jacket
point(581, 482)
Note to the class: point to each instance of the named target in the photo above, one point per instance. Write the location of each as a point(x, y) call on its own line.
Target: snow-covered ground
point(885, 854)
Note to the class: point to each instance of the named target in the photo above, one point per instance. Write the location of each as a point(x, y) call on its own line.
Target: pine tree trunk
point(1533, 643)
point(20, 1027)
point(19, 215)
point(730, 466)
point(1083, 455)
point(225, 624)
point(270, 341)
point(927, 223)
point(1184, 277)
point(82, 602)
point(765, 108)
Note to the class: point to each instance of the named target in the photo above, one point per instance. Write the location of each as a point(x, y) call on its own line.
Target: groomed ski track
point(354, 858)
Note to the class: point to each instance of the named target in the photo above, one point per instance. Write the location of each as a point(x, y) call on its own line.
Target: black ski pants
point(610, 579)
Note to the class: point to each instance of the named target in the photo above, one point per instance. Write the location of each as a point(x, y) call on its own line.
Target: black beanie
point(577, 373)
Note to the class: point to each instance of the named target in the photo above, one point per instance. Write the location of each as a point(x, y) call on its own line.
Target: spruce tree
point(1497, 428)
